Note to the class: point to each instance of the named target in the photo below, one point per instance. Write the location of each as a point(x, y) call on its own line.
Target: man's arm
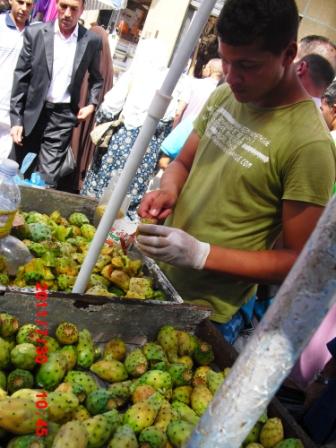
point(181, 107)
point(95, 77)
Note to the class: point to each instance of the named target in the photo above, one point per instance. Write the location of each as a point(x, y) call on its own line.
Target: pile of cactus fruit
point(83, 395)
point(59, 246)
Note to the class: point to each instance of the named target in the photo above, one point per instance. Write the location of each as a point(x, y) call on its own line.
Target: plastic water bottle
point(13, 251)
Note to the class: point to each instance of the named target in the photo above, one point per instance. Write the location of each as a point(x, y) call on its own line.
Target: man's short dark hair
point(308, 42)
point(273, 23)
point(320, 70)
point(330, 94)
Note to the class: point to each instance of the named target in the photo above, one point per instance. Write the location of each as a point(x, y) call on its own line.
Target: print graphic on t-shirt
point(229, 136)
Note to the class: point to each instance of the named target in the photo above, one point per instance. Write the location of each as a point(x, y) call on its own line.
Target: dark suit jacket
point(33, 73)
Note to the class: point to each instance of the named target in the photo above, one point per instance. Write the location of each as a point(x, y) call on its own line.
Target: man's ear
point(301, 68)
point(290, 53)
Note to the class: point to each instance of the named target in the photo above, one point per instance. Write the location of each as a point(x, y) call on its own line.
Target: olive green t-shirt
point(248, 161)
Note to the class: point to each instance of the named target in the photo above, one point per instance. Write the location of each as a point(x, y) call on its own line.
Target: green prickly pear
point(179, 432)
point(161, 381)
point(23, 356)
point(183, 394)
point(19, 379)
point(142, 392)
point(70, 353)
point(164, 416)
point(109, 370)
point(51, 373)
point(200, 398)
point(29, 394)
point(124, 437)
point(143, 413)
point(200, 377)
point(53, 429)
point(85, 350)
point(99, 431)
point(116, 348)
point(181, 375)
point(18, 415)
point(80, 413)
point(4, 354)
point(28, 441)
point(290, 443)
point(75, 389)
point(67, 333)
point(3, 380)
point(214, 379)
point(186, 361)
point(84, 379)
point(203, 354)
point(187, 343)
point(153, 437)
point(28, 333)
point(154, 353)
point(9, 325)
point(167, 338)
point(61, 405)
point(99, 401)
point(253, 435)
point(136, 363)
point(271, 433)
point(114, 418)
point(185, 413)
point(11, 342)
point(120, 392)
point(51, 344)
point(71, 435)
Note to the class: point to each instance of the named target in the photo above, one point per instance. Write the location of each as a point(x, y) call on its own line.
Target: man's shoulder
point(35, 28)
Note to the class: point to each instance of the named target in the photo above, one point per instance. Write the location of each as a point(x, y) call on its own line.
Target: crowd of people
point(253, 170)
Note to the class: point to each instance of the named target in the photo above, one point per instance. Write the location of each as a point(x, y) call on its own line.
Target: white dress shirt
point(64, 55)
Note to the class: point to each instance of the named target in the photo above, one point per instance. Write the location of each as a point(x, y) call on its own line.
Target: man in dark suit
point(46, 88)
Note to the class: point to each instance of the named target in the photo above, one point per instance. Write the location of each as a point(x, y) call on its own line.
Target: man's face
point(329, 113)
point(252, 73)
point(69, 11)
point(21, 10)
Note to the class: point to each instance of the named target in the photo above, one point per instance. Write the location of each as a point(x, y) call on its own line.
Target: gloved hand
point(172, 246)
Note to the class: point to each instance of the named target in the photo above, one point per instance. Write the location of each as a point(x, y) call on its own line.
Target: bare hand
point(16, 134)
point(85, 112)
point(157, 204)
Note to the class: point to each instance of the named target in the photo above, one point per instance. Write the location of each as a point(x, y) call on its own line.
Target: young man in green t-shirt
point(259, 162)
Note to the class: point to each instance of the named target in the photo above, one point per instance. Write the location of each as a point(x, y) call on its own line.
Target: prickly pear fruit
point(51, 344)
point(290, 443)
point(80, 413)
point(85, 350)
point(200, 398)
point(142, 392)
point(167, 338)
point(3, 380)
point(71, 435)
point(114, 418)
point(183, 394)
point(180, 374)
point(28, 333)
point(70, 353)
point(254, 434)
point(154, 352)
point(143, 414)
point(179, 432)
point(124, 437)
point(18, 415)
point(120, 392)
point(203, 354)
point(19, 379)
point(187, 343)
point(75, 389)
point(214, 379)
point(109, 370)
point(23, 356)
point(67, 333)
point(200, 376)
point(61, 405)
point(116, 348)
point(271, 433)
point(3, 394)
point(9, 325)
point(29, 394)
point(99, 401)
point(84, 379)
point(53, 429)
point(51, 373)
point(186, 361)
point(184, 412)
point(136, 363)
point(161, 381)
point(4, 354)
point(99, 431)
point(28, 441)
point(254, 445)
point(153, 437)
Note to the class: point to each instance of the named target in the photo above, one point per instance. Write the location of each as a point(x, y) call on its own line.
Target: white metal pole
point(155, 113)
point(300, 305)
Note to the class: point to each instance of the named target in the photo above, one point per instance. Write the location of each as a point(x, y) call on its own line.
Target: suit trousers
point(49, 139)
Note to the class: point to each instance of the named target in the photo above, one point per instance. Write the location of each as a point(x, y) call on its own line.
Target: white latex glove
point(172, 246)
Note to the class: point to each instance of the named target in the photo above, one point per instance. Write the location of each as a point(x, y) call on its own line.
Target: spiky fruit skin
point(154, 353)
point(53, 429)
point(183, 394)
point(143, 414)
point(61, 405)
point(200, 398)
point(153, 437)
point(28, 441)
point(27, 333)
point(161, 381)
point(200, 377)
point(114, 418)
point(187, 343)
point(214, 381)
point(111, 371)
point(203, 354)
point(83, 379)
point(186, 361)
point(164, 416)
point(253, 436)
point(116, 348)
point(290, 443)
point(120, 392)
point(51, 373)
point(71, 434)
point(99, 431)
point(67, 333)
point(184, 412)
point(51, 344)
point(18, 415)
point(75, 389)
point(142, 392)
point(19, 379)
point(85, 350)
point(23, 356)
point(4, 354)
point(124, 437)
point(99, 401)
point(136, 363)
point(70, 353)
point(181, 375)
point(271, 433)
point(179, 432)
point(167, 338)
point(80, 413)
point(9, 325)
